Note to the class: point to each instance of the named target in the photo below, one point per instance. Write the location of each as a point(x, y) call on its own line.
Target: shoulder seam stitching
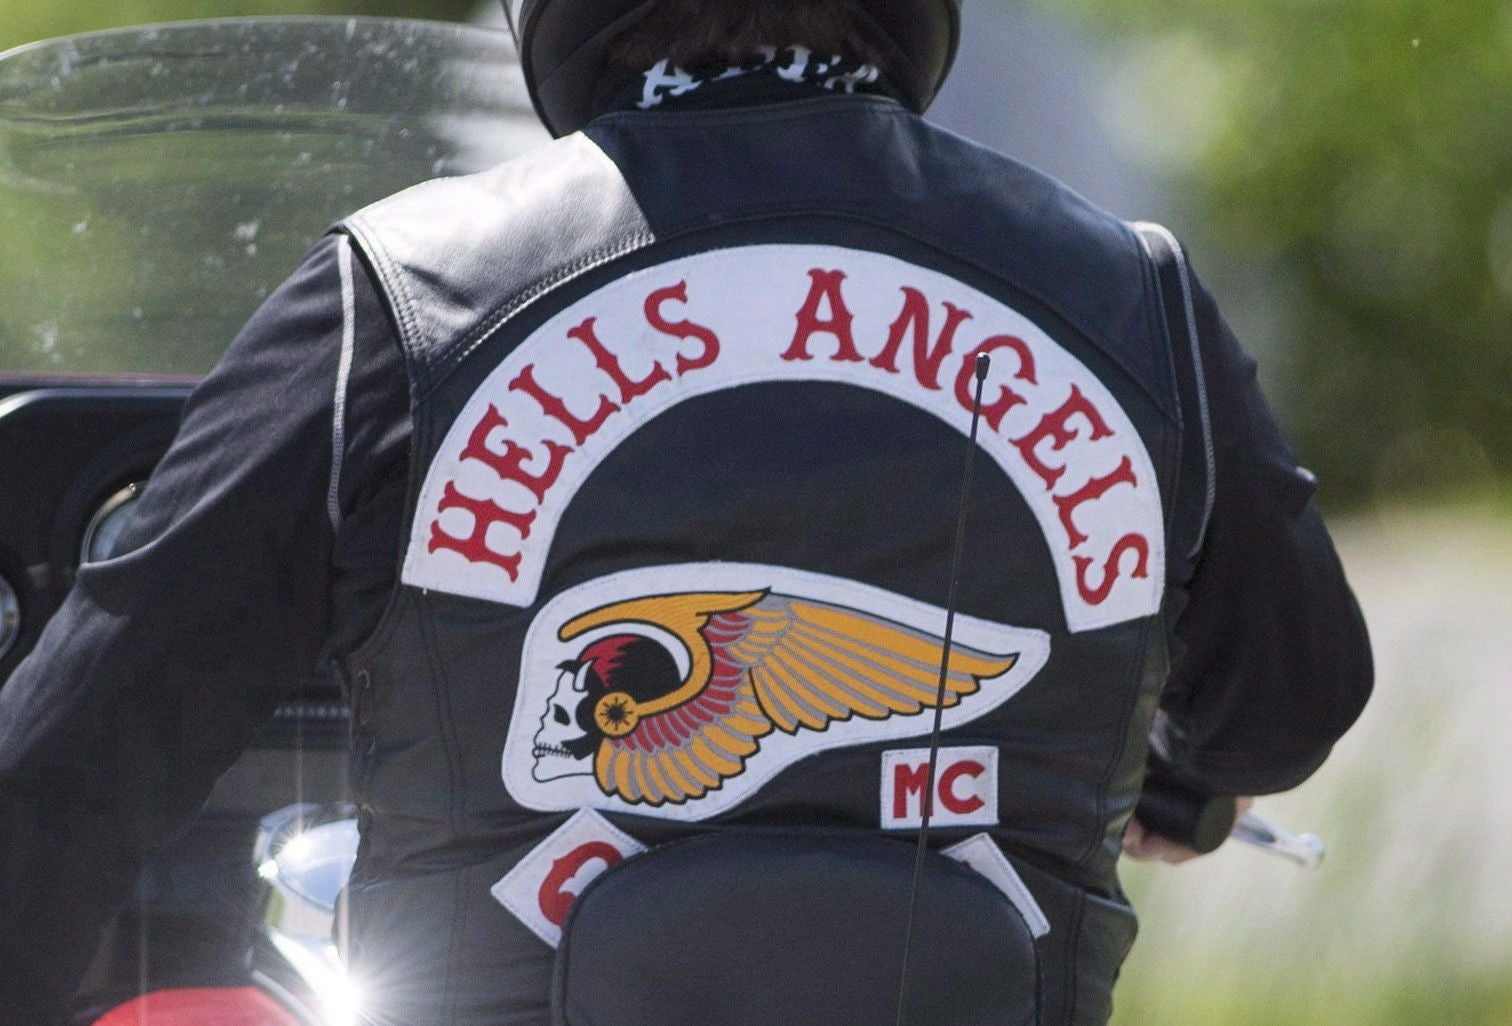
point(1204, 416)
point(343, 378)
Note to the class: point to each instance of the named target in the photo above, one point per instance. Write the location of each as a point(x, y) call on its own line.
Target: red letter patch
point(965, 792)
point(542, 886)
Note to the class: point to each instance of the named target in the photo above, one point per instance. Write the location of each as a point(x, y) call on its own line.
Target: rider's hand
point(1142, 845)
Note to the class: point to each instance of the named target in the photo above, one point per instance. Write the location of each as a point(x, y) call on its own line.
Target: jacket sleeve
point(153, 675)
point(1271, 661)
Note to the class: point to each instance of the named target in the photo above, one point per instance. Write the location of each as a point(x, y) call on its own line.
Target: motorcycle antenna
point(926, 806)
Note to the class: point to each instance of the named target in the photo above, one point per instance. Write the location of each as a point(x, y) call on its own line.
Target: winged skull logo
point(651, 732)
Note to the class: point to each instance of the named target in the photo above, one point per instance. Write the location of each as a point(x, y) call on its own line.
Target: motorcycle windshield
point(157, 183)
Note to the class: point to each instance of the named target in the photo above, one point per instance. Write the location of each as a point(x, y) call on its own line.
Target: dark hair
point(696, 32)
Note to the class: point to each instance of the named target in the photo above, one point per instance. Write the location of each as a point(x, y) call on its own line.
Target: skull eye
point(560, 715)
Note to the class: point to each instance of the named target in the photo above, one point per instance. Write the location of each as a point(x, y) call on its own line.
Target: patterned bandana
point(796, 65)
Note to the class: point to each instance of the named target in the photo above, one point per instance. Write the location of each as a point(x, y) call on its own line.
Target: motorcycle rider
point(620, 478)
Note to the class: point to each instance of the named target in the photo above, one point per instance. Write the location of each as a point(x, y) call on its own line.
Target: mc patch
point(965, 791)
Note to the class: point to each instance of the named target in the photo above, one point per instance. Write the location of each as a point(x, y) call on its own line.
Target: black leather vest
point(689, 396)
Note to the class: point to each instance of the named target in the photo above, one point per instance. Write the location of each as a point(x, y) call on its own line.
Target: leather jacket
point(689, 390)
point(670, 521)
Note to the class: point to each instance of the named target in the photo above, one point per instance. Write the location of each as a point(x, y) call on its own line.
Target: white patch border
point(779, 751)
point(981, 854)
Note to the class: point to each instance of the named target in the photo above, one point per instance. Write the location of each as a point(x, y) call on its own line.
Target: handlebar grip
point(1183, 814)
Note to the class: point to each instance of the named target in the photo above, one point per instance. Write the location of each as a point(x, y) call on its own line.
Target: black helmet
point(562, 45)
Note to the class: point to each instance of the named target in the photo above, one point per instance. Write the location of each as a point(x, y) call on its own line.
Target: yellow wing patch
point(826, 663)
point(762, 662)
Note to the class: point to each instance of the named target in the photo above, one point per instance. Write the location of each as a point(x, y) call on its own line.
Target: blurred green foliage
point(25, 21)
point(1345, 165)
point(1355, 158)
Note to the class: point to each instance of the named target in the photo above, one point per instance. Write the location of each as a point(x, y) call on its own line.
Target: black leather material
point(817, 476)
point(536, 222)
point(689, 170)
point(784, 929)
point(1194, 505)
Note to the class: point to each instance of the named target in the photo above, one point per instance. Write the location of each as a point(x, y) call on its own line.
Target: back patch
point(570, 393)
point(678, 691)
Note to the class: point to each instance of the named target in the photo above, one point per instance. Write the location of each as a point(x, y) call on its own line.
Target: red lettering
point(510, 464)
point(554, 899)
point(825, 287)
point(927, 360)
point(485, 513)
point(1055, 426)
point(1096, 596)
point(610, 365)
point(681, 329)
point(948, 797)
point(557, 410)
point(907, 780)
point(1007, 399)
point(1093, 489)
